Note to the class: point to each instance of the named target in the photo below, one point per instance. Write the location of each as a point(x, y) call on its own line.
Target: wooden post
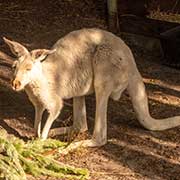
point(113, 22)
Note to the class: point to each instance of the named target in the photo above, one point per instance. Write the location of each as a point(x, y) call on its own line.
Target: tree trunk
point(113, 22)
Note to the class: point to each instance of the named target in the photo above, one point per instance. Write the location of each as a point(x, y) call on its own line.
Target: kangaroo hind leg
point(100, 128)
point(79, 119)
point(116, 94)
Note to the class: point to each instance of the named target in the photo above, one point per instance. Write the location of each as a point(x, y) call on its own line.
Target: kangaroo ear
point(16, 48)
point(40, 54)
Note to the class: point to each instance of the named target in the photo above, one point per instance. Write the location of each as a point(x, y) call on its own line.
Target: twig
point(112, 173)
point(175, 4)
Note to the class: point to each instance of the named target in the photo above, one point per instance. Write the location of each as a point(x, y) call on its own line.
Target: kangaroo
point(78, 64)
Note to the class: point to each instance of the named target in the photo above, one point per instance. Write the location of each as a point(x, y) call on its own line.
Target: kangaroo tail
point(138, 94)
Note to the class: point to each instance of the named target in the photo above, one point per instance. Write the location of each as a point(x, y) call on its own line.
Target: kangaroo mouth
point(17, 88)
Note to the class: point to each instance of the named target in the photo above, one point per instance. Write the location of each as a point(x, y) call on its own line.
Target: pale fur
point(87, 61)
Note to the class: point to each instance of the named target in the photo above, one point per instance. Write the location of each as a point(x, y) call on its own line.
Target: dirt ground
point(131, 152)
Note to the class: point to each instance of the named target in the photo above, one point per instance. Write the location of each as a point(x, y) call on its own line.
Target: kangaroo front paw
point(36, 134)
point(44, 135)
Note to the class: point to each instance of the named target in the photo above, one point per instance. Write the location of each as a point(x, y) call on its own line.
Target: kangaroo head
point(27, 66)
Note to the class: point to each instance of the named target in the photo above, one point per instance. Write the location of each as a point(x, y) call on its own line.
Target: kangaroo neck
point(38, 89)
point(39, 82)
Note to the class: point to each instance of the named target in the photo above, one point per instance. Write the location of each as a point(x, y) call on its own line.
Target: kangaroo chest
point(37, 94)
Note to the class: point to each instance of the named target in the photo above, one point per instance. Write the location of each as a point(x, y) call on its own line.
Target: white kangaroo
point(82, 62)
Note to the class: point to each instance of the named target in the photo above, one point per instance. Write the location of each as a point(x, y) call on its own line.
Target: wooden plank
point(168, 33)
point(144, 26)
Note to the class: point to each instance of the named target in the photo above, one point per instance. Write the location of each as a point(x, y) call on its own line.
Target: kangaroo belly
point(75, 91)
point(79, 84)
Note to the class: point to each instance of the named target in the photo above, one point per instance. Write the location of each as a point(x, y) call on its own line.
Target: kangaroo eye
point(28, 69)
point(14, 66)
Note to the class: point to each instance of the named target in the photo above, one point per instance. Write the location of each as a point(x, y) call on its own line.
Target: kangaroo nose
point(16, 84)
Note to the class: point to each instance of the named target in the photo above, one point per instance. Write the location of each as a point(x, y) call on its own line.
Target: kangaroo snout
point(16, 84)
